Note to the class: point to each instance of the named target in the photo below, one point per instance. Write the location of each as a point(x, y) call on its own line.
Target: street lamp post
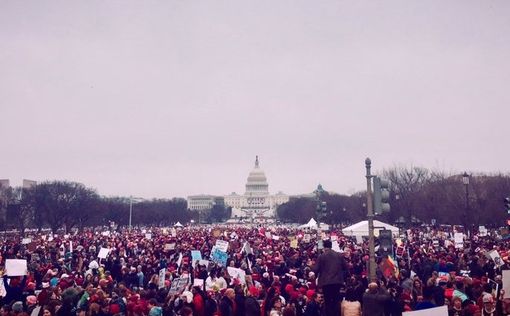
point(318, 192)
point(131, 198)
point(370, 215)
point(465, 181)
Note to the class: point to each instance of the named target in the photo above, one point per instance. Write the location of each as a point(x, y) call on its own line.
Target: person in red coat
point(198, 301)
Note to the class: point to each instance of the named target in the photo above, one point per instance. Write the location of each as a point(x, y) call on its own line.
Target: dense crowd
point(268, 271)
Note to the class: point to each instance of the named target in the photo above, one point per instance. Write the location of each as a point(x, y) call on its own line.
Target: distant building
point(4, 184)
point(256, 204)
point(204, 202)
point(27, 184)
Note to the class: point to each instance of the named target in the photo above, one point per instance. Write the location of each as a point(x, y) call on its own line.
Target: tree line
point(68, 205)
point(417, 195)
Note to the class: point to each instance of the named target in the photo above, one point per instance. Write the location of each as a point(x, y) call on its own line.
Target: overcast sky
point(171, 98)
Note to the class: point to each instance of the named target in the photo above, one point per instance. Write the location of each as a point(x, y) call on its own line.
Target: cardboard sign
point(222, 245)
point(26, 241)
point(16, 267)
point(294, 244)
point(161, 279)
point(220, 257)
point(103, 253)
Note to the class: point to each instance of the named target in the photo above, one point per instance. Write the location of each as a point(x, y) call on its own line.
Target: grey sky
point(170, 98)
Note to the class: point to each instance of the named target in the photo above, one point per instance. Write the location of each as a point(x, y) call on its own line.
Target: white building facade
point(256, 204)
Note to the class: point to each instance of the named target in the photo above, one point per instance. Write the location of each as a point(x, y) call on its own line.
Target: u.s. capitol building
point(255, 204)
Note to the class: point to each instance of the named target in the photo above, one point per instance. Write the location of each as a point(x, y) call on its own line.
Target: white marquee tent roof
point(312, 223)
point(361, 229)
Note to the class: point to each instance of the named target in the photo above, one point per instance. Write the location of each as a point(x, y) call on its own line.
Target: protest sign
point(26, 241)
point(247, 248)
point(459, 240)
point(198, 282)
point(106, 234)
point(148, 236)
point(203, 263)
point(276, 237)
point(335, 246)
point(179, 260)
point(436, 311)
point(306, 238)
point(220, 257)
point(237, 273)
point(16, 267)
point(71, 246)
point(506, 283)
point(178, 285)
point(268, 235)
point(216, 232)
point(103, 253)
point(169, 247)
point(222, 245)
point(161, 280)
point(359, 239)
point(483, 231)
point(294, 244)
point(173, 232)
point(196, 255)
point(494, 255)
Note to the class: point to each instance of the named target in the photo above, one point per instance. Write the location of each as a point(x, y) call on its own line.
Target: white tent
point(178, 224)
point(312, 223)
point(361, 229)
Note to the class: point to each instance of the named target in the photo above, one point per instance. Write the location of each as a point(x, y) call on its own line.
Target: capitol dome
point(257, 182)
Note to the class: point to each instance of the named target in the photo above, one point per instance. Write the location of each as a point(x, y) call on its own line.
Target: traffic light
point(381, 196)
point(322, 209)
point(385, 243)
point(507, 204)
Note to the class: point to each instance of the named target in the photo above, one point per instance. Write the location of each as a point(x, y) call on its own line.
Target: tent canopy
point(312, 223)
point(178, 224)
point(361, 229)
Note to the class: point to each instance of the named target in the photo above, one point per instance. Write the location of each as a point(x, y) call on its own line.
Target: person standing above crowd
point(330, 268)
point(375, 300)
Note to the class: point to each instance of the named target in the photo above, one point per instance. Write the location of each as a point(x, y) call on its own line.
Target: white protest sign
point(71, 246)
point(359, 239)
point(26, 241)
point(222, 245)
point(161, 280)
point(306, 238)
point(203, 262)
point(334, 237)
point(103, 253)
point(198, 282)
point(436, 311)
point(16, 267)
point(173, 232)
point(335, 246)
point(483, 231)
point(106, 234)
point(169, 246)
point(247, 248)
point(506, 283)
point(459, 240)
point(237, 273)
point(148, 236)
point(494, 255)
point(179, 260)
point(276, 237)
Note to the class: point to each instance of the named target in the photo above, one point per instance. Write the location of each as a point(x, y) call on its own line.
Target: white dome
point(257, 181)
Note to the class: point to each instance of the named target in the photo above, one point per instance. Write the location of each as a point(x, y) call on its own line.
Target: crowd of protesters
point(285, 273)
